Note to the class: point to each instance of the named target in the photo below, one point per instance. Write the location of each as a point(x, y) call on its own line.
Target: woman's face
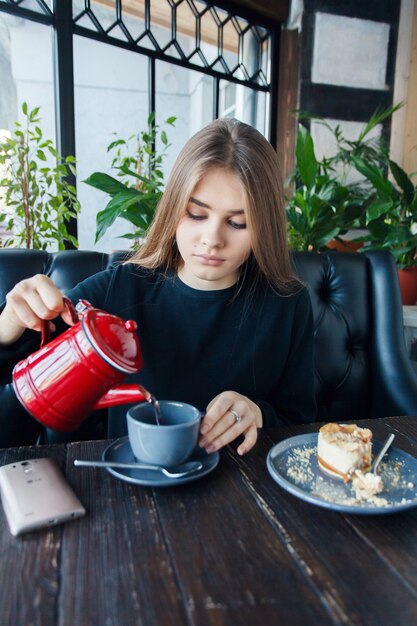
point(212, 236)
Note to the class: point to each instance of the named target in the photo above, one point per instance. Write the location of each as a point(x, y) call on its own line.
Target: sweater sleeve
point(294, 401)
point(17, 427)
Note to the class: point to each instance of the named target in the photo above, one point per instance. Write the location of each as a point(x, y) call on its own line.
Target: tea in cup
point(170, 442)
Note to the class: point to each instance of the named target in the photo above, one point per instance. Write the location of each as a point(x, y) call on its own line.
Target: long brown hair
point(244, 151)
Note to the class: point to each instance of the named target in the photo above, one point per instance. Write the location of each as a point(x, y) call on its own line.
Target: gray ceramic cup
point(169, 443)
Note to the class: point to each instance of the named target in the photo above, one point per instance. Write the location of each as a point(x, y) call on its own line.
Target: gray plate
point(120, 451)
point(292, 463)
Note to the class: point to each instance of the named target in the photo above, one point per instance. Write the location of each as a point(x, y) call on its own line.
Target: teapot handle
point(45, 332)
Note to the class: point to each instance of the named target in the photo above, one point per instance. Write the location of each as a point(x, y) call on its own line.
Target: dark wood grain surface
point(230, 549)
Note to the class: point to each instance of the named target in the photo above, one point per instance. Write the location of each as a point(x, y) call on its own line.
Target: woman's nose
point(212, 235)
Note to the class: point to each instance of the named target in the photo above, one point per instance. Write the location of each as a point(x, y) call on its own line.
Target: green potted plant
point(383, 202)
point(391, 219)
point(36, 199)
point(134, 195)
point(323, 206)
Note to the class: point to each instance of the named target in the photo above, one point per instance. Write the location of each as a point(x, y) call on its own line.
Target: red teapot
point(79, 371)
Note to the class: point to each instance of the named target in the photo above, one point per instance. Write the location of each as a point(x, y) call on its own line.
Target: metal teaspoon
point(174, 471)
point(379, 456)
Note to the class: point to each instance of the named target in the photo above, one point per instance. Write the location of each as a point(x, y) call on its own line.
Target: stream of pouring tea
point(156, 408)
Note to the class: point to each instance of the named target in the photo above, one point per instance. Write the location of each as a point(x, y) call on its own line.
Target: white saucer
point(121, 452)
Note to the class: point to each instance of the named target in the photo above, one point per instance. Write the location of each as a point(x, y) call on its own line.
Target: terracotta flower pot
point(408, 285)
point(344, 246)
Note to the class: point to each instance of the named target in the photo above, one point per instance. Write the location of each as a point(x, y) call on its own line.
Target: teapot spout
point(123, 394)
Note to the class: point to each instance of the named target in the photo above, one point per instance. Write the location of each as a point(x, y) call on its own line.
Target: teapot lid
point(114, 339)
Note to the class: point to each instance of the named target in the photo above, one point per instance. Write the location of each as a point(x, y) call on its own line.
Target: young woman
point(222, 321)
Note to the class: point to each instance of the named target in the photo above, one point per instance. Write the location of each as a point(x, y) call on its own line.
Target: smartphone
point(36, 494)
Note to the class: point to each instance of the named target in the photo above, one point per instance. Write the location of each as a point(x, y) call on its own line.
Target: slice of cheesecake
point(344, 448)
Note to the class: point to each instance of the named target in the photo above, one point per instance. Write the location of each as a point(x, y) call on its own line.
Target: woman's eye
point(203, 216)
point(195, 216)
point(237, 225)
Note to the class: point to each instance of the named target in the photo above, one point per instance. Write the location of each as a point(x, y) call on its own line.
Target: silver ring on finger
point(236, 415)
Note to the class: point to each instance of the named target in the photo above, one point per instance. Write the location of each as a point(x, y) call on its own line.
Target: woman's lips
point(209, 260)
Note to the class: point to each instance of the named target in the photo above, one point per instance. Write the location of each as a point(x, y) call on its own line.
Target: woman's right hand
point(27, 304)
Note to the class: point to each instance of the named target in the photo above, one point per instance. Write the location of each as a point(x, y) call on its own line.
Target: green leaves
point(321, 207)
point(131, 205)
point(105, 183)
point(404, 182)
point(375, 175)
point(37, 196)
point(306, 160)
point(383, 202)
point(391, 211)
point(135, 195)
point(391, 214)
point(376, 209)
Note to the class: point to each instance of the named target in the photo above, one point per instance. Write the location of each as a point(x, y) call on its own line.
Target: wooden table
point(230, 549)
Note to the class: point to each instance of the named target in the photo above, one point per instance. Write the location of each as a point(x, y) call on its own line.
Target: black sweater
point(195, 344)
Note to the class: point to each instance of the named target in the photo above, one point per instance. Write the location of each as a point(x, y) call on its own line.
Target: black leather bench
point(362, 367)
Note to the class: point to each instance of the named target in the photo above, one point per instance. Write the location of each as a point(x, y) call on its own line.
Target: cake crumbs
point(299, 465)
point(301, 469)
point(366, 485)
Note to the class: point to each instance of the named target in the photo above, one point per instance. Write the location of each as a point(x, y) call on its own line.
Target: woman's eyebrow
point(199, 203)
point(207, 206)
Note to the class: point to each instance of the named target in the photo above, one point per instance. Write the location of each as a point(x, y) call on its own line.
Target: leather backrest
point(66, 267)
point(339, 290)
point(362, 369)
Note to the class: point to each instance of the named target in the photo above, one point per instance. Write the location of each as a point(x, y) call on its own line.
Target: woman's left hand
point(227, 416)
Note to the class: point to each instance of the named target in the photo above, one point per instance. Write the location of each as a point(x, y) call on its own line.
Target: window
point(185, 58)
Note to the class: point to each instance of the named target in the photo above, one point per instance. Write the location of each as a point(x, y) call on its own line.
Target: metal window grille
point(242, 47)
